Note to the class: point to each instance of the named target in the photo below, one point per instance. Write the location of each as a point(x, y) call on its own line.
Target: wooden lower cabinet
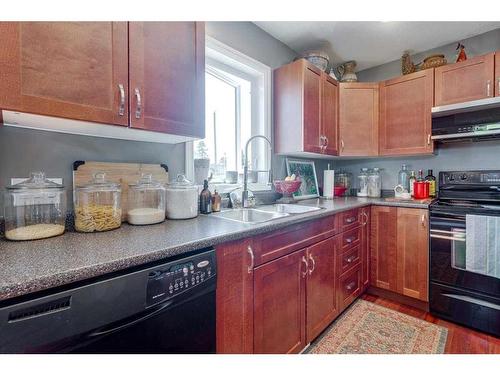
point(235, 285)
point(279, 304)
point(321, 301)
point(399, 250)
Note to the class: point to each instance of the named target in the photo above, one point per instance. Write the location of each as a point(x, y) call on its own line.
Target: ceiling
point(371, 43)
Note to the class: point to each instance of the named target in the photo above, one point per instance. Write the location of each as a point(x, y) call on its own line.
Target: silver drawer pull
point(121, 108)
point(252, 259)
point(351, 285)
point(350, 220)
point(350, 239)
point(138, 107)
point(351, 259)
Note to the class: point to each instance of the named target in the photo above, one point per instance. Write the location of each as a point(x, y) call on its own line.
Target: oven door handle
point(113, 328)
point(451, 238)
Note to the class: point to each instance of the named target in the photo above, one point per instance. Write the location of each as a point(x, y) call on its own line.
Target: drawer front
point(349, 219)
point(349, 287)
point(351, 238)
point(276, 244)
point(349, 259)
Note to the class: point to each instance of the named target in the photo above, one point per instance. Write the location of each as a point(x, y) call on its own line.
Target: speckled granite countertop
point(31, 266)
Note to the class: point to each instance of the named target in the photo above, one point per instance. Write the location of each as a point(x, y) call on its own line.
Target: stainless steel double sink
point(264, 213)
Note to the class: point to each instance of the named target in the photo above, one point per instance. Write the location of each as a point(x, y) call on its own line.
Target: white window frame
point(218, 53)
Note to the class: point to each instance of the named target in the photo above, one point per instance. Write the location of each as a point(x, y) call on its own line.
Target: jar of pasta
point(98, 205)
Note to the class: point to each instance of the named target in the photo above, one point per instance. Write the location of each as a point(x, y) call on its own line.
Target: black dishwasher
point(165, 308)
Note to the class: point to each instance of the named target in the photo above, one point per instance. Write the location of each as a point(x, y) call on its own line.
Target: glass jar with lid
point(98, 205)
point(363, 183)
point(34, 209)
point(343, 178)
point(374, 183)
point(182, 199)
point(146, 202)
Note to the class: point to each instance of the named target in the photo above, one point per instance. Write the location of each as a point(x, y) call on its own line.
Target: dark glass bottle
point(432, 183)
point(205, 199)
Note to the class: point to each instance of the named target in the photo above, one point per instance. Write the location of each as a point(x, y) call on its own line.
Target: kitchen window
point(237, 107)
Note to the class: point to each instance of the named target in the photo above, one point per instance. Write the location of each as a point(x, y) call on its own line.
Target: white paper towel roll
point(328, 183)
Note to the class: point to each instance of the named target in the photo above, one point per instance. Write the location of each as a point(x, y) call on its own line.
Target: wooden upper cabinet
point(358, 119)
point(405, 114)
point(76, 70)
point(497, 73)
point(321, 286)
point(329, 114)
point(235, 297)
point(383, 247)
point(305, 110)
point(167, 77)
point(464, 81)
point(279, 305)
point(312, 102)
point(413, 253)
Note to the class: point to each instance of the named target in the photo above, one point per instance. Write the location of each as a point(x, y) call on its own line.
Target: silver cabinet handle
point(342, 144)
point(313, 264)
point(138, 107)
point(252, 259)
point(365, 215)
point(326, 141)
point(121, 108)
point(351, 285)
point(350, 220)
point(498, 79)
point(488, 88)
point(428, 139)
point(304, 260)
point(422, 220)
point(322, 139)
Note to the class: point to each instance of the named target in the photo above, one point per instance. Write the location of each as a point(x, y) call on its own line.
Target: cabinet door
point(365, 246)
point(76, 70)
point(413, 253)
point(279, 305)
point(497, 74)
point(383, 247)
point(321, 286)
point(467, 80)
point(405, 114)
point(311, 103)
point(235, 297)
point(167, 77)
point(358, 119)
point(329, 114)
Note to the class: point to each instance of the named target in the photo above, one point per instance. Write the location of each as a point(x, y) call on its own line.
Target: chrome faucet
point(244, 196)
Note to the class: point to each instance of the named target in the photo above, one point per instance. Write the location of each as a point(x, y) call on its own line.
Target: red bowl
point(287, 187)
point(338, 191)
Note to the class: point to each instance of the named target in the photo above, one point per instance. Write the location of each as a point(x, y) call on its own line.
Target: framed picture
point(306, 171)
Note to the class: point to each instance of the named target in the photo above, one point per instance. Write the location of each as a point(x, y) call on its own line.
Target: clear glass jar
point(146, 202)
point(343, 178)
point(98, 205)
point(404, 178)
point(182, 199)
point(34, 209)
point(374, 183)
point(363, 183)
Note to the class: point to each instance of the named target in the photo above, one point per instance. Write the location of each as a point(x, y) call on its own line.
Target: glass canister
point(34, 209)
point(374, 183)
point(363, 183)
point(343, 178)
point(182, 199)
point(146, 201)
point(98, 205)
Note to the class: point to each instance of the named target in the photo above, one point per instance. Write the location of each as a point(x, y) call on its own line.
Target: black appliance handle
point(158, 309)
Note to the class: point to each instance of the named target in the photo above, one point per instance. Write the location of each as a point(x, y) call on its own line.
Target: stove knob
point(451, 178)
point(463, 177)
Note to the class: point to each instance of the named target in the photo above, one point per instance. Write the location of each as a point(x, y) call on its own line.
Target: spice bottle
point(205, 199)
point(432, 183)
point(216, 199)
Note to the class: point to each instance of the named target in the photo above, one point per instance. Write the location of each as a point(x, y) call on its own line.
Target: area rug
point(367, 328)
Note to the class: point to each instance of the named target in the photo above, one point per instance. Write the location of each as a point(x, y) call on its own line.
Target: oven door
point(453, 263)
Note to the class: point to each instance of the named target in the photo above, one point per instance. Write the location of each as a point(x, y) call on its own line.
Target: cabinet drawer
point(349, 287)
point(276, 244)
point(351, 238)
point(349, 219)
point(349, 259)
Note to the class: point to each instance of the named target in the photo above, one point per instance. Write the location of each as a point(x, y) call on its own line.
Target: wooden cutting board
point(122, 173)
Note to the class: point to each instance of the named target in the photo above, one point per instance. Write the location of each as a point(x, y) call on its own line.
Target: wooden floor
point(460, 340)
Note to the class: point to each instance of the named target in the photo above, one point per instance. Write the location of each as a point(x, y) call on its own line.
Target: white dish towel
point(483, 244)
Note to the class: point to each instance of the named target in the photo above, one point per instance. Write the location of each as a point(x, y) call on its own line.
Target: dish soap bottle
point(205, 199)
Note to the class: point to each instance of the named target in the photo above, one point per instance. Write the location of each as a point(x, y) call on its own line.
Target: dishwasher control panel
point(175, 278)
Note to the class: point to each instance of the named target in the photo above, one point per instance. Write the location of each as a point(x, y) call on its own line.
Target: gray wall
point(462, 156)
point(23, 150)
